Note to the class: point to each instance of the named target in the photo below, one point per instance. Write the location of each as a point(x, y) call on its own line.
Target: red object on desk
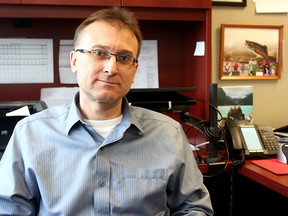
point(272, 165)
point(277, 183)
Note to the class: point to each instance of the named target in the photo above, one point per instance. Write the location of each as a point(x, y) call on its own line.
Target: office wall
point(270, 98)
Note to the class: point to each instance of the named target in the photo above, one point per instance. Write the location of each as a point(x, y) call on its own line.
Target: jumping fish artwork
point(258, 49)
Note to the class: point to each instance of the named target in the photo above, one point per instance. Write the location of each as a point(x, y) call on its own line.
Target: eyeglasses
point(102, 55)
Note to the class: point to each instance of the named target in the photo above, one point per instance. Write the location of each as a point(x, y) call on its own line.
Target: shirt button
point(101, 183)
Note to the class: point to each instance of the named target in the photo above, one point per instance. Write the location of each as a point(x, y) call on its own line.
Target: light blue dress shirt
point(55, 164)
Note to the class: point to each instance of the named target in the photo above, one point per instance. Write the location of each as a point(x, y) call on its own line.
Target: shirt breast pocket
point(140, 189)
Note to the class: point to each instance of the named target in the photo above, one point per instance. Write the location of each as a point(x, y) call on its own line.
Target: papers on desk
point(65, 73)
point(26, 60)
point(31, 61)
point(281, 134)
point(58, 96)
point(147, 72)
point(23, 111)
point(282, 138)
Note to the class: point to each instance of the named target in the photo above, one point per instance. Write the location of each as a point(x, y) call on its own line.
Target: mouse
point(282, 154)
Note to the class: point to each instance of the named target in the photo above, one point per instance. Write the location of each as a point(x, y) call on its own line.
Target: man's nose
point(111, 65)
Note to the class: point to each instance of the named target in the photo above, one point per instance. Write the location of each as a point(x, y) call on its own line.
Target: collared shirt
point(55, 164)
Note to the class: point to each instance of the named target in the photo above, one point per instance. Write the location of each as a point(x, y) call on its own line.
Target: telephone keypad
point(268, 138)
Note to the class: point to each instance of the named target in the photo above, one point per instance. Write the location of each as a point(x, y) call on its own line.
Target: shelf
point(177, 27)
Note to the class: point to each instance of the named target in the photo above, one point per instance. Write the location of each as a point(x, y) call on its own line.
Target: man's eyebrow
point(107, 48)
point(99, 47)
point(126, 51)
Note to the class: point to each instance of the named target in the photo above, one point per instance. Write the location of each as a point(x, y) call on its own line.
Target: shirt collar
point(129, 115)
point(74, 115)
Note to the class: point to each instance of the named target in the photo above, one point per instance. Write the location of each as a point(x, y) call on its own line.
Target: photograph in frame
point(235, 103)
point(250, 52)
point(240, 3)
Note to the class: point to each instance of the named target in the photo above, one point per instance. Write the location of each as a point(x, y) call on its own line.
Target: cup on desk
point(282, 154)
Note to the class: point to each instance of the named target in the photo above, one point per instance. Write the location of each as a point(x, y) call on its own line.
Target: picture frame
point(240, 3)
point(251, 52)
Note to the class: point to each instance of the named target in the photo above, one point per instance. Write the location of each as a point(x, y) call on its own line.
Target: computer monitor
point(162, 99)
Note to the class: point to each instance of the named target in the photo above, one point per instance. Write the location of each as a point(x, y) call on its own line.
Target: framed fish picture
point(251, 52)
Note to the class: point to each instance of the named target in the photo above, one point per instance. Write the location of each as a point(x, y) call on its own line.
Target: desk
point(277, 183)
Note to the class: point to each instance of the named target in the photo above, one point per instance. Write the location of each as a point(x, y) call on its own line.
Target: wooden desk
point(278, 183)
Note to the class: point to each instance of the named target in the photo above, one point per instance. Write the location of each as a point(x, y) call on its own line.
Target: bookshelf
point(176, 25)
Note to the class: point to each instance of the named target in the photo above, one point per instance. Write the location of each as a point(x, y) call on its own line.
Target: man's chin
point(108, 99)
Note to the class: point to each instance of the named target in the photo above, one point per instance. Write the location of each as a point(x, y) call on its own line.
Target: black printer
point(7, 123)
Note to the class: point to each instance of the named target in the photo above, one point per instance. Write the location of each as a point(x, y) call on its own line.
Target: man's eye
point(100, 53)
point(124, 58)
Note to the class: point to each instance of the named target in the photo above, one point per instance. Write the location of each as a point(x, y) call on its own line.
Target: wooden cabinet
point(74, 2)
point(10, 2)
point(168, 3)
point(177, 25)
point(133, 3)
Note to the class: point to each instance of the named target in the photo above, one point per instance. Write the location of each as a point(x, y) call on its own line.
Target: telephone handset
point(252, 139)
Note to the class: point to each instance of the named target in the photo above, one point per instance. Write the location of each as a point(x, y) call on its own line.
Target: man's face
point(100, 79)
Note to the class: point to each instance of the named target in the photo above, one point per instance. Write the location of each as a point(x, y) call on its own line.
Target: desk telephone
point(252, 139)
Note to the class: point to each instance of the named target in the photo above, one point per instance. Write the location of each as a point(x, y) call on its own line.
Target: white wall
point(270, 97)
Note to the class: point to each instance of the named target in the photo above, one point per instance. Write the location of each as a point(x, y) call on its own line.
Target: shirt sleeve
point(189, 195)
point(15, 195)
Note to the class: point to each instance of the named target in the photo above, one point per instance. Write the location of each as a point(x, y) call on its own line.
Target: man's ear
point(73, 59)
point(136, 67)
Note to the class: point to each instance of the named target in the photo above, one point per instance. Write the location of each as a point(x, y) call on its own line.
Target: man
point(98, 155)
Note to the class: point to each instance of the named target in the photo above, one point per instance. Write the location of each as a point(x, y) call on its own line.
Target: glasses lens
point(100, 54)
point(124, 59)
point(103, 55)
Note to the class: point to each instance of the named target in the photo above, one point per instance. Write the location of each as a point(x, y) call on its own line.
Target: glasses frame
point(134, 60)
